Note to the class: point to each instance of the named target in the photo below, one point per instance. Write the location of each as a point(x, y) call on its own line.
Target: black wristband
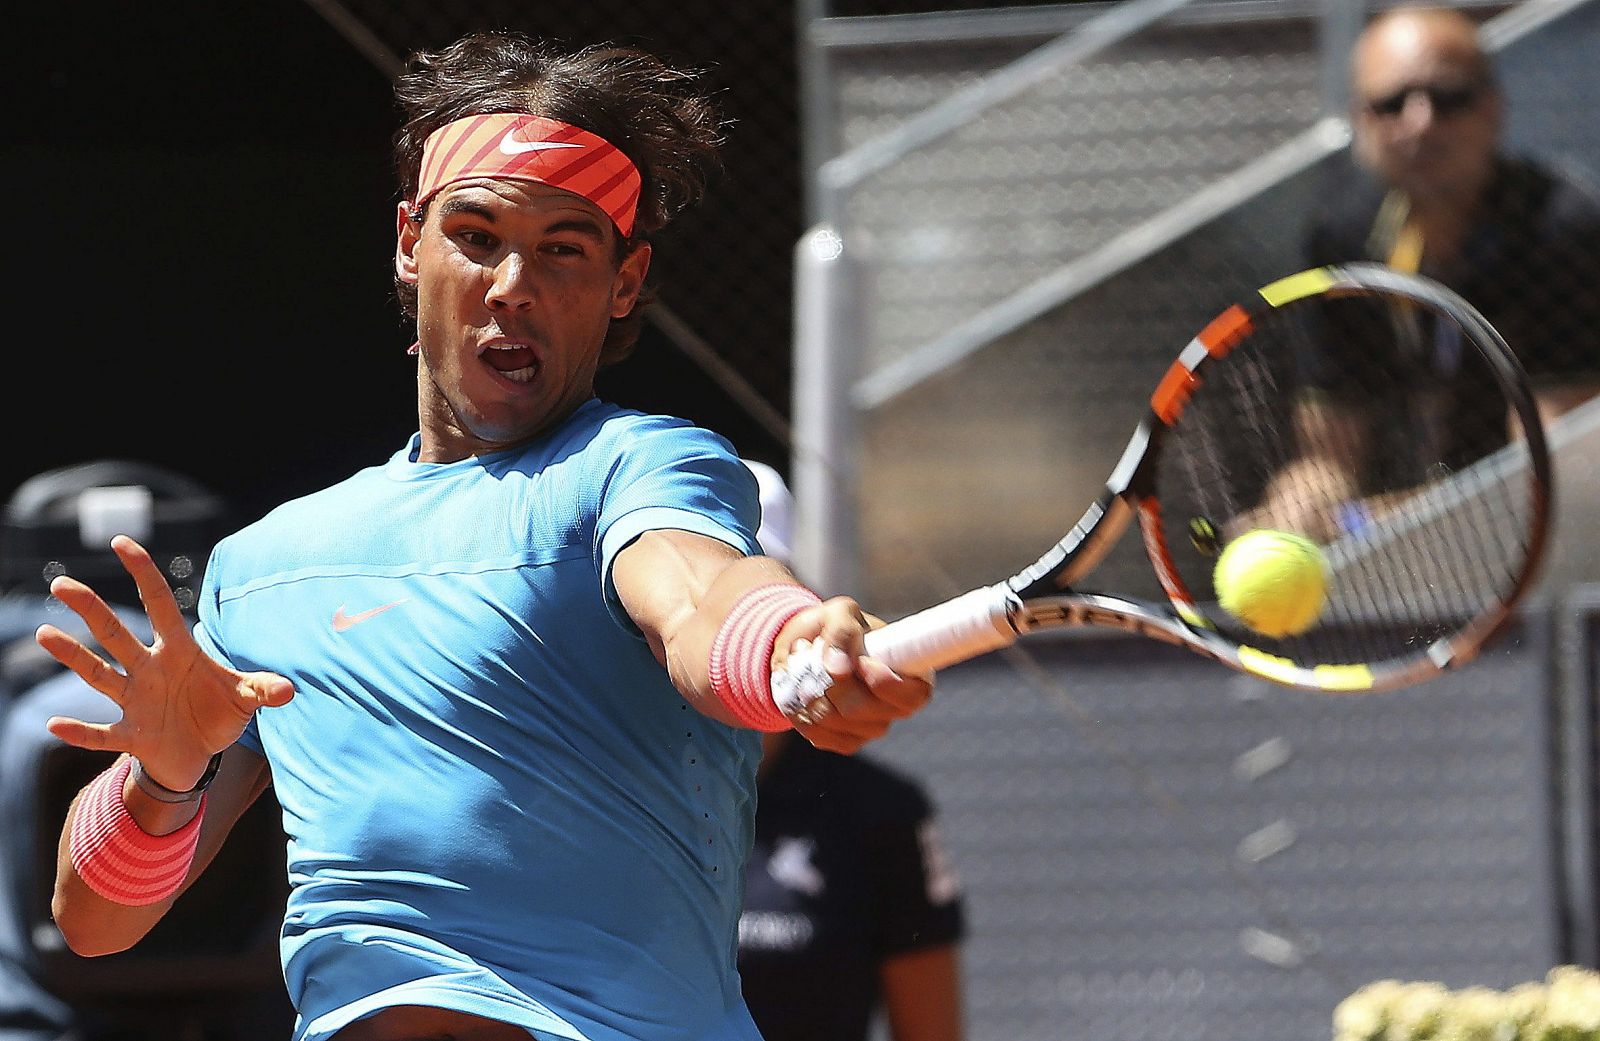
point(161, 793)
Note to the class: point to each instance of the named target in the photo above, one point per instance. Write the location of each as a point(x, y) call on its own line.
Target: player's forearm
point(691, 647)
point(90, 923)
point(718, 621)
point(94, 923)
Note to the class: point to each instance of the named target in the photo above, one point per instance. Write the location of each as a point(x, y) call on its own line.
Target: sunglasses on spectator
point(1445, 101)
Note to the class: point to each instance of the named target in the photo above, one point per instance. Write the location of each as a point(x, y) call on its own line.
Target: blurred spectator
point(851, 907)
point(1432, 189)
point(61, 522)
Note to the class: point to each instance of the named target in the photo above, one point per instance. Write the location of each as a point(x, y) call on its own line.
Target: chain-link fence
point(1021, 216)
point(1021, 274)
point(1039, 203)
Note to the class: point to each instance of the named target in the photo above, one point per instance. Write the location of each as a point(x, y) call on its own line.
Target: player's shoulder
point(295, 510)
point(606, 423)
point(616, 440)
point(261, 544)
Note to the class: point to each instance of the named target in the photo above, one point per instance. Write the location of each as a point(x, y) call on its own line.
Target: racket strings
point(1225, 472)
point(1446, 555)
point(1374, 428)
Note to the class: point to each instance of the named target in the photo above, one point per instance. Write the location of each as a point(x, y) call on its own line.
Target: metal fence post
point(1339, 24)
point(826, 344)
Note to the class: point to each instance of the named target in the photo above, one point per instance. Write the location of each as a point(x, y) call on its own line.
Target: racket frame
point(1043, 595)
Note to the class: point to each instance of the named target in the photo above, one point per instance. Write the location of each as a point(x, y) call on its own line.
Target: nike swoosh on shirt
point(511, 146)
point(342, 621)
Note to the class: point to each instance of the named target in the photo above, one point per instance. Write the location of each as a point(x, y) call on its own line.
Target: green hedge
point(1564, 1007)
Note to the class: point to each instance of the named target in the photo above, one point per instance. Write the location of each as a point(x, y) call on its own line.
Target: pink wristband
point(741, 655)
point(120, 860)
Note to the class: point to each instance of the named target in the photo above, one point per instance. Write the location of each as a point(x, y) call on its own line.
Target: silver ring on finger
point(815, 711)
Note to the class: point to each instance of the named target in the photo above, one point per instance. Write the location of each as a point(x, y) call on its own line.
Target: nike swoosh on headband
point(520, 146)
point(511, 146)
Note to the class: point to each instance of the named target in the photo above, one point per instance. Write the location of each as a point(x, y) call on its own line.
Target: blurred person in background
point(507, 685)
point(1436, 192)
point(1429, 187)
point(58, 522)
point(852, 910)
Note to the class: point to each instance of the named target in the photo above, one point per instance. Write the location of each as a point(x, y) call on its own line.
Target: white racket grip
point(972, 624)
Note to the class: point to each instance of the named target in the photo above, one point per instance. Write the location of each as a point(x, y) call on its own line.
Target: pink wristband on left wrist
point(120, 860)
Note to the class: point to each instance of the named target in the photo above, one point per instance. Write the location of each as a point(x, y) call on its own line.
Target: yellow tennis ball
point(1272, 581)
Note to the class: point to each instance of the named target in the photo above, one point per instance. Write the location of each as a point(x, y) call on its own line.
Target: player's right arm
point(93, 925)
point(179, 707)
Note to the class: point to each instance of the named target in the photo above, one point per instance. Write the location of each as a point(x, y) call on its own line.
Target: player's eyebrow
point(456, 205)
point(580, 226)
point(585, 226)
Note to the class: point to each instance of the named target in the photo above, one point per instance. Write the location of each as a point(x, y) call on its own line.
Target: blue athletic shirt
point(496, 801)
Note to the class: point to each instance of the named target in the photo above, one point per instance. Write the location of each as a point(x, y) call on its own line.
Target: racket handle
point(972, 624)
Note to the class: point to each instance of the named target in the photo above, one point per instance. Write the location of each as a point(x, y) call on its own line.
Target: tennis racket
point(1376, 413)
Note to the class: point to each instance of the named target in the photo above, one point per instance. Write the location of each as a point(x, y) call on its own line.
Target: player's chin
point(504, 424)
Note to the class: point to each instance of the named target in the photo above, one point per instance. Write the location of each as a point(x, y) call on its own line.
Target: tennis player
point(508, 685)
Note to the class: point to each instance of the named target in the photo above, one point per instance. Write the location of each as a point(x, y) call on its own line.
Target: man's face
point(517, 283)
point(1425, 117)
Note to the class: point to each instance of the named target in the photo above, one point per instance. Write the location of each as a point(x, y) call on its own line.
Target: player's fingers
point(90, 667)
point(841, 712)
point(844, 721)
point(868, 692)
point(265, 689)
point(166, 618)
point(906, 692)
point(814, 711)
point(97, 737)
point(836, 733)
point(108, 630)
point(843, 690)
point(843, 626)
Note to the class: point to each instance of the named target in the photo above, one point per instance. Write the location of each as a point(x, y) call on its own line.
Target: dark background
point(201, 219)
point(200, 207)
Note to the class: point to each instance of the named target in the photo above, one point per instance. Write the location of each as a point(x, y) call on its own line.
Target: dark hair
point(654, 113)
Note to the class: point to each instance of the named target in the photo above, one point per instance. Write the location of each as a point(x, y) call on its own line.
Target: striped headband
point(532, 148)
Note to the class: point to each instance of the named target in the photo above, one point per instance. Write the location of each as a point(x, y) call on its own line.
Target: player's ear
point(629, 281)
point(407, 232)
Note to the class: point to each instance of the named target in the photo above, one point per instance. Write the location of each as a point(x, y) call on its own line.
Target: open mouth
point(513, 361)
